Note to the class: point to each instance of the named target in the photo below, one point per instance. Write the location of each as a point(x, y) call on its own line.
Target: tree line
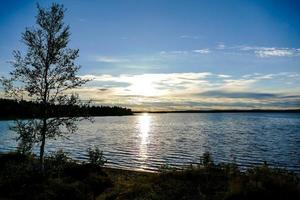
point(11, 109)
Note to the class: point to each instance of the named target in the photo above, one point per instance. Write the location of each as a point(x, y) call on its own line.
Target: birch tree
point(45, 74)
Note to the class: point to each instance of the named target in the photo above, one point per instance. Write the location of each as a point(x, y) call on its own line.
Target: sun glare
point(144, 123)
point(144, 87)
point(144, 126)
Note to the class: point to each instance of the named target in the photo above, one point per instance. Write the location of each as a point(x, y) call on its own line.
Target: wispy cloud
point(261, 52)
point(202, 51)
point(265, 52)
point(166, 58)
point(237, 84)
point(163, 91)
point(178, 52)
point(110, 59)
point(186, 52)
point(224, 76)
point(194, 37)
point(221, 46)
point(243, 95)
point(273, 52)
point(281, 75)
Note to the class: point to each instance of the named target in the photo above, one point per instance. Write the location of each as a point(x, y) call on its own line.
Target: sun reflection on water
point(144, 124)
point(144, 127)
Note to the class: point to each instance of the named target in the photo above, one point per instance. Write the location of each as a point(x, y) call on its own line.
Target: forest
point(11, 109)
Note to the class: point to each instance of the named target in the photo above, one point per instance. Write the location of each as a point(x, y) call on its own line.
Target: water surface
point(146, 141)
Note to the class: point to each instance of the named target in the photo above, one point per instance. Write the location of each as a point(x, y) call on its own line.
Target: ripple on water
point(145, 142)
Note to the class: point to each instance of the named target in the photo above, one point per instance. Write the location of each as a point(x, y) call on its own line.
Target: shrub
point(165, 168)
point(206, 159)
point(59, 157)
point(96, 157)
point(56, 162)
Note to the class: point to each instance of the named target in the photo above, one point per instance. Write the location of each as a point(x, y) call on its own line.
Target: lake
point(146, 141)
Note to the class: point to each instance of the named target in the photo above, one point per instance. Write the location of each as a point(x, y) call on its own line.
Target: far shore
point(6, 118)
point(225, 111)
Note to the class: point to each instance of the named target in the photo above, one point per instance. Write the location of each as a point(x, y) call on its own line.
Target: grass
point(205, 182)
point(20, 178)
point(66, 179)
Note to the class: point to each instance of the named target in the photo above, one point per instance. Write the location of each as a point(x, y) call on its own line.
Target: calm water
point(148, 141)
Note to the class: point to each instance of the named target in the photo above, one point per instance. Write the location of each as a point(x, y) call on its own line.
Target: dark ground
point(20, 178)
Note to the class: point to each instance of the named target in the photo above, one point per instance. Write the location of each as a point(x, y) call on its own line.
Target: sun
point(144, 87)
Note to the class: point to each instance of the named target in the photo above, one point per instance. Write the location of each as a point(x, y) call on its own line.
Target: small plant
point(165, 168)
point(57, 161)
point(59, 157)
point(96, 157)
point(206, 159)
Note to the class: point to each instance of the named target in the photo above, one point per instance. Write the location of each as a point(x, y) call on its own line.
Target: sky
point(176, 54)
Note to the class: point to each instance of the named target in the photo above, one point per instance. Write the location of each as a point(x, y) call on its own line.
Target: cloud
point(265, 52)
point(221, 46)
point(157, 80)
point(168, 57)
point(173, 52)
point(194, 37)
point(185, 52)
point(237, 84)
point(202, 51)
point(175, 81)
point(273, 52)
point(282, 75)
point(260, 51)
point(224, 94)
point(224, 76)
point(110, 59)
point(202, 90)
point(152, 84)
point(178, 52)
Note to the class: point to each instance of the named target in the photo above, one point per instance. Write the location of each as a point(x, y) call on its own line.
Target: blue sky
point(166, 55)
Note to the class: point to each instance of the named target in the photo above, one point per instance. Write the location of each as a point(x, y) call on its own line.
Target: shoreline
point(183, 167)
point(222, 111)
point(292, 111)
point(66, 179)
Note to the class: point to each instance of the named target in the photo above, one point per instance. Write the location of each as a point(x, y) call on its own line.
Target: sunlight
point(144, 86)
point(144, 126)
point(144, 123)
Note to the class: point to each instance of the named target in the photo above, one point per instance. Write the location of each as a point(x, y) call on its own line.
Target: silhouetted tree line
point(26, 109)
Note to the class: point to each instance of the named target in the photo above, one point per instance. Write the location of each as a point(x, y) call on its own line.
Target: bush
point(56, 162)
point(20, 178)
point(206, 160)
point(96, 157)
point(58, 158)
point(166, 168)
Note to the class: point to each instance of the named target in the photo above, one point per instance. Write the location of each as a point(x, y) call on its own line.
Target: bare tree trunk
point(42, 147)
point(45, 113)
